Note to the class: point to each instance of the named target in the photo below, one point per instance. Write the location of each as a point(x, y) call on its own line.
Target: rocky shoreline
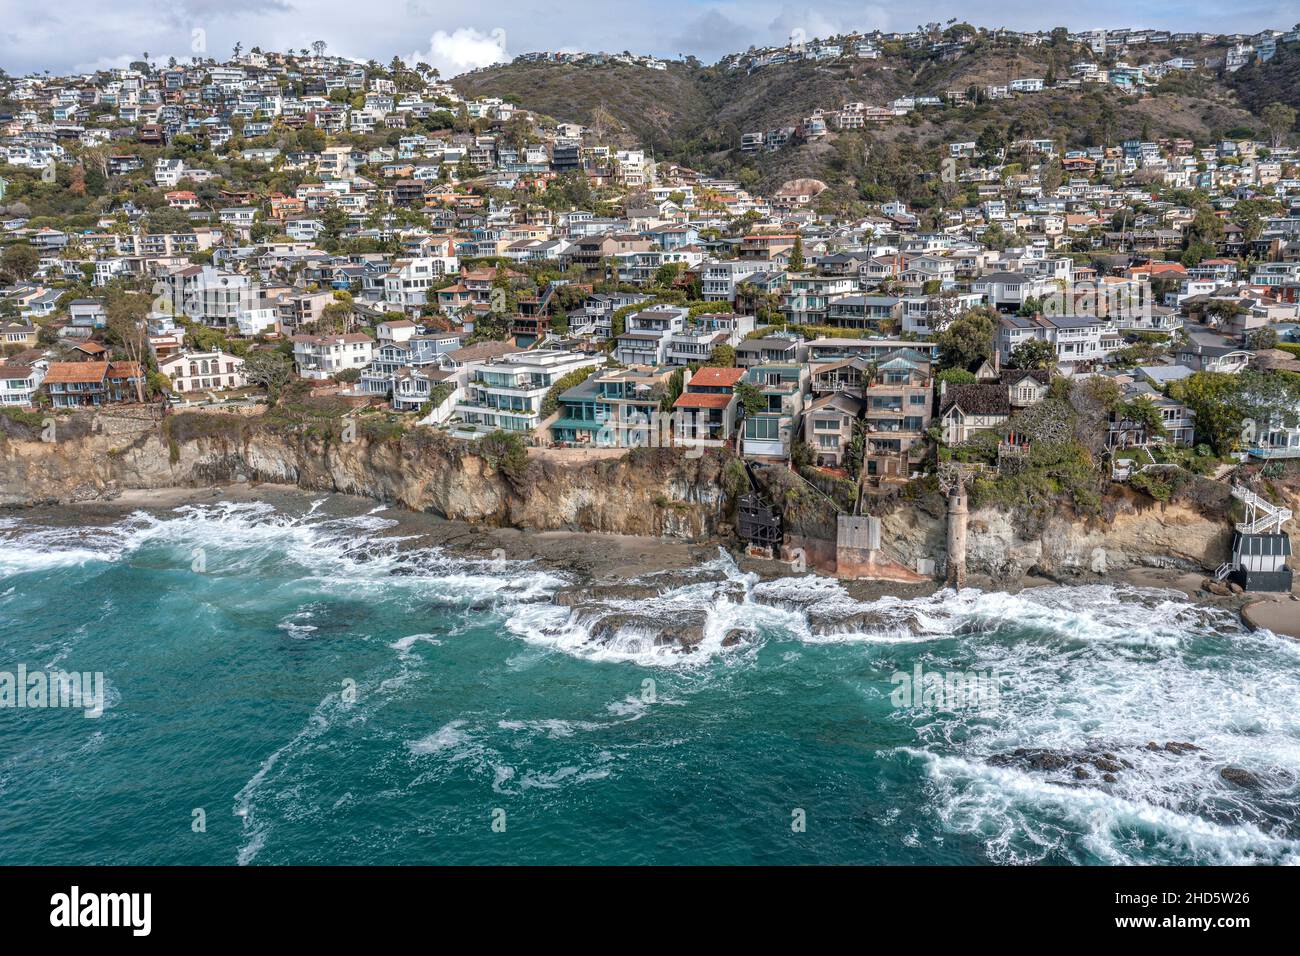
point(610, 571)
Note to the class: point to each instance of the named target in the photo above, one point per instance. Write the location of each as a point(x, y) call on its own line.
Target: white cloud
point(465, 49)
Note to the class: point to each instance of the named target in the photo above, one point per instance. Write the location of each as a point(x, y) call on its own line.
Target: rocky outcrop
point(647, 492)
point(1095, 760)
point(1141, 533)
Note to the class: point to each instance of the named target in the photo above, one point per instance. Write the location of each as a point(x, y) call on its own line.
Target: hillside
point(1277, 81)
point(696, 115)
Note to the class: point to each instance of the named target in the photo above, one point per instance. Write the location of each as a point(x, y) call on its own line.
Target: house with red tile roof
point(89, 384)
point(707, 408)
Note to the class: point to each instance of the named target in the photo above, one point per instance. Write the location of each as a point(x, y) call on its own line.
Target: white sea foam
point(404, 644)
point(1086, 667)
point(448, 737)
point(1110, 670)
point(27, 548)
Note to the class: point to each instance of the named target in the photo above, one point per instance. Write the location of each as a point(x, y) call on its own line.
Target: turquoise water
point(477, 700)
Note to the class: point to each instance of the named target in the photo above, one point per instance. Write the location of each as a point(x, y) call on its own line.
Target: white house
point(323, 356)
point(506, 392)
point(203, 371)
point(18, 383)
point(407, 283)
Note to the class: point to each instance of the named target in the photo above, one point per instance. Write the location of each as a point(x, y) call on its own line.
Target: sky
point(459, 35)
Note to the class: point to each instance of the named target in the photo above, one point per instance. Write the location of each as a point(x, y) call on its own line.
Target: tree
point(126, 329)
point(1214, 399)
point(667, 274)
point(20, 260)
point(269, 369)
point(956, 376)
point(335, 317)
point(1034, 354)
point(751, 397)
point(796, 255)
point(1280, 120)
point(968, 339)
point(722, 356)
point(1269, 399)
point(672, 390)
point(1259, 339)
point(1146, 419)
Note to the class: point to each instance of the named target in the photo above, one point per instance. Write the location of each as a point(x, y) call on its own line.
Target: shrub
point(506, 453)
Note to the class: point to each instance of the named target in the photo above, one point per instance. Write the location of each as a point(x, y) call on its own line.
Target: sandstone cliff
point(648, 492)
point(1142, 533)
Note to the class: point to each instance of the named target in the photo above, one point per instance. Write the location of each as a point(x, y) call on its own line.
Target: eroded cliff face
point(1142, 533)
point(647, 492)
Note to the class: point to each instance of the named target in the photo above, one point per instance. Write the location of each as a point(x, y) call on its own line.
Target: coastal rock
point(605, 629)
point(1241, 777)
point(1173, 746)
point(1065, 547)
point(654, 492)
point(685, 630)
point(830, 621)
point(575, 597)
point(1080, 763)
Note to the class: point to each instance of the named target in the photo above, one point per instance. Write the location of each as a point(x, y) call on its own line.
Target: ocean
point(310, 686)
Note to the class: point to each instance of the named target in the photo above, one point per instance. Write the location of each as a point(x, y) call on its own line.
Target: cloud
point(713, 33)
point(465, 49)
point(56, 36)
point(795, 23)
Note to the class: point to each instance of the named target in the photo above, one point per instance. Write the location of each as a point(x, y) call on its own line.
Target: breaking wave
point(1132, 725)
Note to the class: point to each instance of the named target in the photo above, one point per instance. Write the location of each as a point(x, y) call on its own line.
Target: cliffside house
point(87, 384)
point(19, 382)
point(967, 409)
point(507, 392)
point(323, 356)
point(706, 410)
point(201, 371)
point(612, 408)
point(769, 432)
point(828, 426)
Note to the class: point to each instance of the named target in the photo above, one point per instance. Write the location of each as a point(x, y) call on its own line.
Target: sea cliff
point(657, 492)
